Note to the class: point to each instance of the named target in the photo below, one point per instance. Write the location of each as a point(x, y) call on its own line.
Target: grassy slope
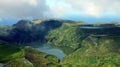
point(40, 59)
point(16, 56)
point(106, 53)
point(8, 52)
point(92, 53)
point(67, 36)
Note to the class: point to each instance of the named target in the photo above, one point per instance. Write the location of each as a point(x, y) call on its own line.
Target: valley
point(60, 43)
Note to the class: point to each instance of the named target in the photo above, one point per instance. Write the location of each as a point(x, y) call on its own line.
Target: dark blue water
point(92, 27)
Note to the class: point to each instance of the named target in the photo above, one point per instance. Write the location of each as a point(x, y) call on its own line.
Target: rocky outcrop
point(1, 64)
point(4, 65)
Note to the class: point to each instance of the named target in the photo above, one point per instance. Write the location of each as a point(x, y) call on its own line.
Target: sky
point(90, 11)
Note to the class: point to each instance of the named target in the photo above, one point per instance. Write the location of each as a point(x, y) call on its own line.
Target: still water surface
point(52, 50)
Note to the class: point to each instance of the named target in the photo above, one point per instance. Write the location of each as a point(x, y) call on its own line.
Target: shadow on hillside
point(26, 31)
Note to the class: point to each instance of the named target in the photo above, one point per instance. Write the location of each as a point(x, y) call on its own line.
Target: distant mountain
point(26, 31)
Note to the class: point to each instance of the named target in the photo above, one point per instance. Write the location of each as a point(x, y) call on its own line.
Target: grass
point(67, 37)
point(20, 62)
point(40, 59)
point(8, 52)
point(104, 54)
point(18, 56)
point(67, 50)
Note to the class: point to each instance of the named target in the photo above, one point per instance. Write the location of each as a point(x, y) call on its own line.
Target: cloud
point(95, 8)
point(23, 8)
point(58, 9)
point(92, 10)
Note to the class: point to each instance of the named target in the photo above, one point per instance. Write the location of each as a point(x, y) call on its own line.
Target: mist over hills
point(26, 31)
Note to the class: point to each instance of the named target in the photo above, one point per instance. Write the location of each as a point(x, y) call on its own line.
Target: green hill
point(67, 37)
point(87, 48)
point(18, 56)
point(102, 52)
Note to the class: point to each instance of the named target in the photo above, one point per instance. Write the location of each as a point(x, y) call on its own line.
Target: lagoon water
point(52, 50)
point(91, 27)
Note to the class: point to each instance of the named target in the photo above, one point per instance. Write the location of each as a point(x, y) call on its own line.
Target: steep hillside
point(4, 29)
point(92, 46)
point(18, 56)
point(25, 31)
point(103, 51)
point(67, 37)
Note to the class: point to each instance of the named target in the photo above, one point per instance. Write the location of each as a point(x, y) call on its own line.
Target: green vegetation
point(20, 62)
point(67, 37)
point(8, 52)
point(18, 56)
point(91, 50)
point(95, 48)
point(102, 52)
point(40, 59)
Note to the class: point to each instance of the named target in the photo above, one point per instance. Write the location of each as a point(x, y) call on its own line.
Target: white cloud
point(92, 9)
point(23, 8)
point(96, 8)
point(31, 2)
point(60, 11)
point(58, 8)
